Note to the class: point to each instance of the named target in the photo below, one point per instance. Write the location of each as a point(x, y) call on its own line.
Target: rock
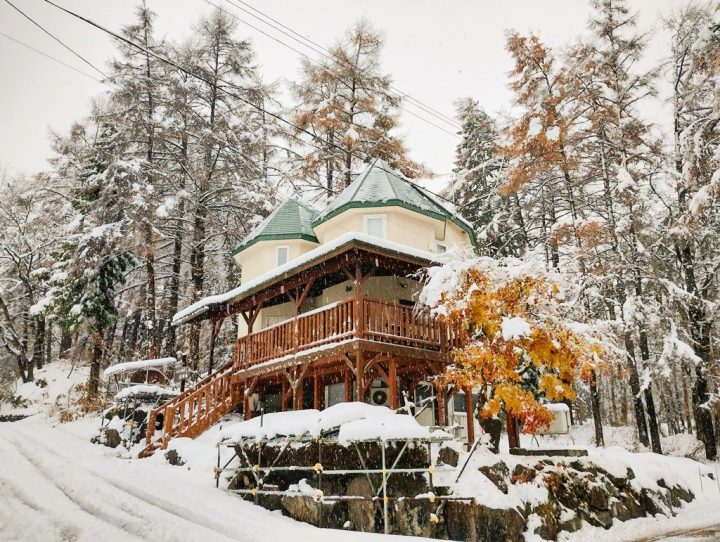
point(474, 522)
point(361, 513)
point(112, 438)
point(548, 513)
point(413, 518)
point(597, 498)
point(173, 457)
point(571, 522)
point(522, 474)
point(492, 427)
point(448, 456)
point(497, 474)
point(303, 508)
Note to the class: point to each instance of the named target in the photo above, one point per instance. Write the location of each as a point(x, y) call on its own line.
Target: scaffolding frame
point(379, 493)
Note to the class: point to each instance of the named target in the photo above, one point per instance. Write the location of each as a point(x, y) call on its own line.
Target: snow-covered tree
point(347, 104)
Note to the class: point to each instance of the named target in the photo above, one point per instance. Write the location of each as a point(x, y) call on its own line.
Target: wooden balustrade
point(195, 410)
point(371, 319)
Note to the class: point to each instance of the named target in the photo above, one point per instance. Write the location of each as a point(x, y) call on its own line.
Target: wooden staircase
point(193, 411)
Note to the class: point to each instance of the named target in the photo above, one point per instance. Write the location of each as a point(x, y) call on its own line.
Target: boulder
point(497, 474)
point(361, 513)
point(473, 522)
point(112, 438)
point(522, 474)
point(448, 456)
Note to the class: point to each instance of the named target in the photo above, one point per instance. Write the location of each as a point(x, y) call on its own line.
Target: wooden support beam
point(392, 383)
point(348, 384)
point(470, 416)
point(440, 391)
point(317, 398)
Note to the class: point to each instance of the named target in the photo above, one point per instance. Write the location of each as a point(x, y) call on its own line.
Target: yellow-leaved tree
point(521, 347)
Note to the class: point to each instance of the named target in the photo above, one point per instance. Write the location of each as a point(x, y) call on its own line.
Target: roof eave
point(274, 237)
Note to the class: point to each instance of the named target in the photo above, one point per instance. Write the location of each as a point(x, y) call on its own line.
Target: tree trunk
point(93, 386)
point(597, 419)
point(649, 401)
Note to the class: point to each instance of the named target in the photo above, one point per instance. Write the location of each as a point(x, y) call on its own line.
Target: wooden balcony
point(354, 318)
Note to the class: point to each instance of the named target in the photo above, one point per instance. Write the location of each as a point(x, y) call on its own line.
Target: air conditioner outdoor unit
point(380, 396)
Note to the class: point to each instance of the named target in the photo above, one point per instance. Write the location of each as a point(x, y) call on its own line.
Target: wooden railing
point(193, 411)
point(363, 318)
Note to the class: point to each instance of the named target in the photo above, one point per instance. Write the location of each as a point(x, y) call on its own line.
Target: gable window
point(283, 254)
point(375, 225)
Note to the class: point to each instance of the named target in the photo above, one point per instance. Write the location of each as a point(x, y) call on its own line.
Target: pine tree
point(94, 259)
point(478, 176)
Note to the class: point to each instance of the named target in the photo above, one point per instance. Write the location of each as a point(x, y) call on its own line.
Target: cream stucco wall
point(262, 256)
point(403, 226)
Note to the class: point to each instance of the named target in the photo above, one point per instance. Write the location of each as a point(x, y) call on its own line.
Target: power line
point(86, 61)
point(38, 51)
point(328, 54)
point(218, 81)
point(311, 59)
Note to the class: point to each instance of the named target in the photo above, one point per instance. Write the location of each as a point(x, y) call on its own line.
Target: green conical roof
point(291, 220)
point(381, 186)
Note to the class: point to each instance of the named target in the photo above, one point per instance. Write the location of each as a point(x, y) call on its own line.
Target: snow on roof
point(129, 366)
point(291, 220)
point(356, 422)
point(203, 305)
point(144, 389)
point(381, 185)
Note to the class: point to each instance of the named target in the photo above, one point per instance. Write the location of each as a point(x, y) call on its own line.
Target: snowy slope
point(55, 485)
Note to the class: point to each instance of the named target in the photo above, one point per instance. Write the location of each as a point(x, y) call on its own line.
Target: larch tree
point(227, 187)
point(693, 218)
point(347, 104)
point(621, 157)
point(544, 161)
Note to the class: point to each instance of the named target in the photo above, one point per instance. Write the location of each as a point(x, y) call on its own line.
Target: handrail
point(374, 319)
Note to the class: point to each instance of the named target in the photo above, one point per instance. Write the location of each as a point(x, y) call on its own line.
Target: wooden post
point(348, 385)
point(441, 399)
point(392, 377)
point(470, 416)
point(216, 324)
point(283, 396)
point(512, 431)
point(317, 399)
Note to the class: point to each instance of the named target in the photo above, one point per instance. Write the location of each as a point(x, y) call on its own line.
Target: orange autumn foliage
point(516, 372)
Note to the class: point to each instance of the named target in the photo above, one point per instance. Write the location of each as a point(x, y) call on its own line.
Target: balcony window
point(375, 225)
point(283, 254)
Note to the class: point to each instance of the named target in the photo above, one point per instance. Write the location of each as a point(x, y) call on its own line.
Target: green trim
point(274, 237)
point(397, 203)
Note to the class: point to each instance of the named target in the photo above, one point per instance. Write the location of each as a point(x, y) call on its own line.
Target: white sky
point(435, 51)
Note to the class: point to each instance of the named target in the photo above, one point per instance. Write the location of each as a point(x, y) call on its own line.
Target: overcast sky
point(435, 51)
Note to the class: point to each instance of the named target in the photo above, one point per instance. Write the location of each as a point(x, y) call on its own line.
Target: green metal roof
point(381, 186)
point(291, 220)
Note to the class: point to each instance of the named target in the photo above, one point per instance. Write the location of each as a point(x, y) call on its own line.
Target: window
point(283, 254)
point(440, 247)
point(375, 225)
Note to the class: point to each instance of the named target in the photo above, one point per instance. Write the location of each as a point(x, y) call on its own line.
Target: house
point(327, 307)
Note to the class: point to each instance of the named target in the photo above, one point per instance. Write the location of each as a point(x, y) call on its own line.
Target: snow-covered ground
point(56, 485)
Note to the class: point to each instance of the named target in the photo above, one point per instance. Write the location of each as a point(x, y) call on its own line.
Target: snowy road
point(54, 485)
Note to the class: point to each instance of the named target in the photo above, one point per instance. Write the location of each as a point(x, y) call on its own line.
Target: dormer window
point(283, 254)
point(375, 225)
